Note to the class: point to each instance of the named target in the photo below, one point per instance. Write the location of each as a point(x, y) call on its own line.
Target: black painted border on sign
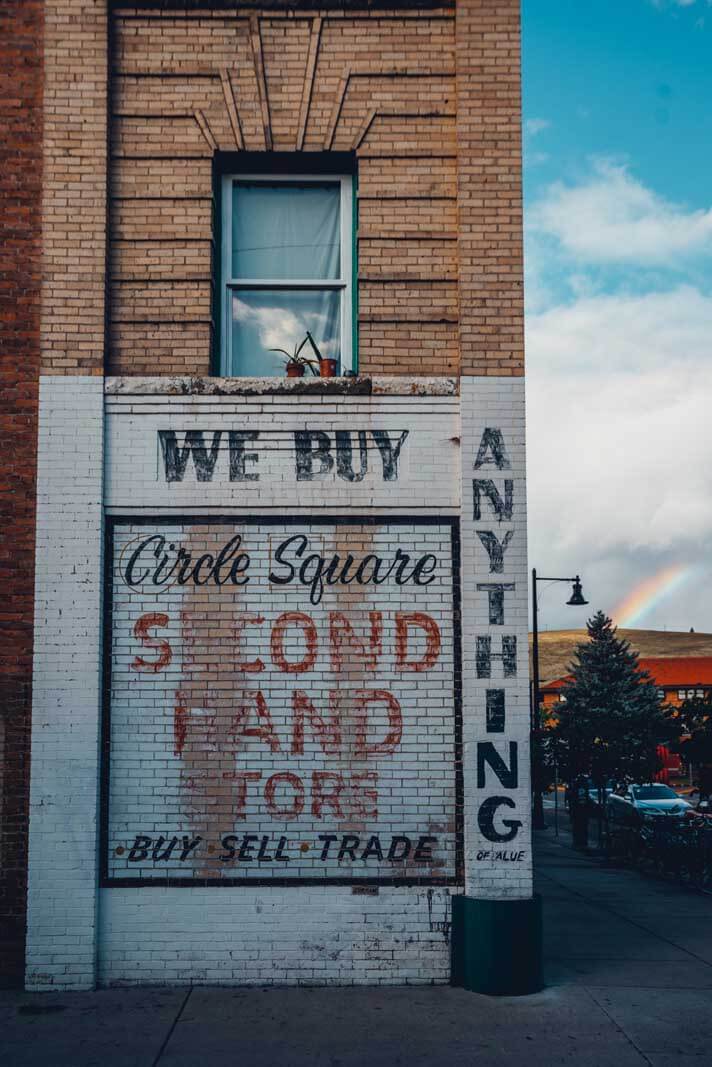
point(111, 521)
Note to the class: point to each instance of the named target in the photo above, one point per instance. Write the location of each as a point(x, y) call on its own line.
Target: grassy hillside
point(556, 647)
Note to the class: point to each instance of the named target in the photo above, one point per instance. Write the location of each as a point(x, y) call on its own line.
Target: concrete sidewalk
point(629, 972)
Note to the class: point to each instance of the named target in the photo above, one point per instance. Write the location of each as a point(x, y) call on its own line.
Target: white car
point(641, 801)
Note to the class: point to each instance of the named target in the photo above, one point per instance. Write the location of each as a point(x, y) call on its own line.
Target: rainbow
point(648, 593)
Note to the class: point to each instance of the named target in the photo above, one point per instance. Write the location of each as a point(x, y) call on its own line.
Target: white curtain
point(285, 231)
point(291, 232)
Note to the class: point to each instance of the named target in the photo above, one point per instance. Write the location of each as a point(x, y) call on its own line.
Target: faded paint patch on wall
point(283, 700)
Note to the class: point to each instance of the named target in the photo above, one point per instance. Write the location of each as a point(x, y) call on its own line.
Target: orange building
point(678, 678)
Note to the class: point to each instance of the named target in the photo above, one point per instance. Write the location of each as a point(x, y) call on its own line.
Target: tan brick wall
point(429, 99)
point(490, 261)
point(382, 83)
point(74, 187)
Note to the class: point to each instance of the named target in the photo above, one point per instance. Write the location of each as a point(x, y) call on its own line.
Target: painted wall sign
point(249, 455)
point(282, 700)
point(234, 454)
point(494, 501)
point(495, 648)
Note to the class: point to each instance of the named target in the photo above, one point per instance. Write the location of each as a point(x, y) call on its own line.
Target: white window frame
point(344, 284)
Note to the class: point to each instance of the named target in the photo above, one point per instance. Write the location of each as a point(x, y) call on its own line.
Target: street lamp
point(576, 600)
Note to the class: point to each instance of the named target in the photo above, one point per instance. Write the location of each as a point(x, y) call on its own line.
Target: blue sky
point(618, 217)
point(624, 78)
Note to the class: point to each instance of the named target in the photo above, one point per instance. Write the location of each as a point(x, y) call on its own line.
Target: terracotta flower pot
point(327, 368)
point(295, 370)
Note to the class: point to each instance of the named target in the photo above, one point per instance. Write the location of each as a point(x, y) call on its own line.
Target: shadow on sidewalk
point(628, 966)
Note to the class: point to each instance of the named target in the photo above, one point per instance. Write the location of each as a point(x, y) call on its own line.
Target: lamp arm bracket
point(540, 578)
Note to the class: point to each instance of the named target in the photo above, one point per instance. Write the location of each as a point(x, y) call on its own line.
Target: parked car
point(593, 799)
point(640, 802)
point(590, 791)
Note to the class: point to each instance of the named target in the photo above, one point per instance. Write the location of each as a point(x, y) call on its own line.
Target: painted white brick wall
point(427, 475)
point(337, 702)
point(271, 934)
point(62, 890)
point(496, 869)
point(254, 934)
point(264, 936)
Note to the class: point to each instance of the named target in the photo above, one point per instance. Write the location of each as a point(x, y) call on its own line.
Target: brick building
point(266, 670)
point(678, 678)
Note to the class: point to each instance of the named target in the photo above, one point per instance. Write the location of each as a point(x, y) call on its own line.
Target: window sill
point(376, 385)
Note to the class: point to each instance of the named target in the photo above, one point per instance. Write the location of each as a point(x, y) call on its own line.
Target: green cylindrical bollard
point(497, 945)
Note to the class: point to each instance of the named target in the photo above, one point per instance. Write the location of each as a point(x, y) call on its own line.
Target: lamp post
point(576, 600)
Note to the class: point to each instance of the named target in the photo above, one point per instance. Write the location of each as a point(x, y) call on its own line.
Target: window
point(286, 269)
point(653, 792)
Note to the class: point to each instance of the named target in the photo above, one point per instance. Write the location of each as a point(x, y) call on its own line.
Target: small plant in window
point(295, 363)
point(327, 366)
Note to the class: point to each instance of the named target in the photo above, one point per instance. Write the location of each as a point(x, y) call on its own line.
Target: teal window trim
point(354, 275)
point(216, 273)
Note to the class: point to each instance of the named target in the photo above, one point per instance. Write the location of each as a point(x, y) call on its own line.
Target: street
point(629, 982)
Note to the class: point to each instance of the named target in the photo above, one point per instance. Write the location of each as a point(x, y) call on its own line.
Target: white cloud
point(619, 381)
point(535, 159)
point(278, 327)
point(604, 334)
point(282, 327)
point(620, 440)
point(612, 218)
point(534, 126)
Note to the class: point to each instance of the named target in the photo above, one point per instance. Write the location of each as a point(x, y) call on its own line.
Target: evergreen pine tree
point(611, 719)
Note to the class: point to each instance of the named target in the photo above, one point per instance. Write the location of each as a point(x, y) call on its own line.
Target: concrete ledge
point(497, 945)
point(379, 385)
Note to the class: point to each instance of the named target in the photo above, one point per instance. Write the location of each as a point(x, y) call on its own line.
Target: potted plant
point(295, 363)
point(327, 367)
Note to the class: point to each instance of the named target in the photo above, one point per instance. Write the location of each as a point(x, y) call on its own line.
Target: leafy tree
point(611, 719)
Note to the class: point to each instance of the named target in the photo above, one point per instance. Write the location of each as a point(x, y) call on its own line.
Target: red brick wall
point(20, 188)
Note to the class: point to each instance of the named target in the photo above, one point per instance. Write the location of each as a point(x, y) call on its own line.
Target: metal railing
point(665, 846)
